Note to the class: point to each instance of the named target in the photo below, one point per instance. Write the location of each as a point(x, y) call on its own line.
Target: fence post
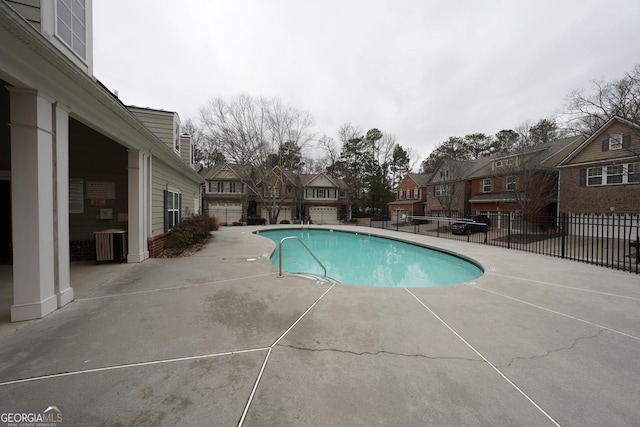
point(509, 231)
point(563, 232)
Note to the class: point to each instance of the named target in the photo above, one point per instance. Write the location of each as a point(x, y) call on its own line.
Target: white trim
point(604, 176)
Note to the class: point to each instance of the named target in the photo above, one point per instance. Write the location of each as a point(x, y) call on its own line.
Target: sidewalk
point(219, 339)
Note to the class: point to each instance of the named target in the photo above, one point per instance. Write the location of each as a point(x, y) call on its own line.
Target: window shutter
point(626, 141)
point(605, 145)
point(165, 212)
point(583, 177)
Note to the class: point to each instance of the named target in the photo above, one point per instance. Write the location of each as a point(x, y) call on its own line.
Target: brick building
point(603, 173)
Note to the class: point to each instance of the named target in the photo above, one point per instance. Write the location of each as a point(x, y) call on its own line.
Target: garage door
point(285, 213)
point(323, 214)
point(226, 213)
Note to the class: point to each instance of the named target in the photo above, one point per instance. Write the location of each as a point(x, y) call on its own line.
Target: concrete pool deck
point(219, 339)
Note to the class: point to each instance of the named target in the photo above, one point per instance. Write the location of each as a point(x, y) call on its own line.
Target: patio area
point(219, 339)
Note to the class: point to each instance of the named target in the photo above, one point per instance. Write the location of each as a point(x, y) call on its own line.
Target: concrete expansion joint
point(380, 352)
point(555, 350)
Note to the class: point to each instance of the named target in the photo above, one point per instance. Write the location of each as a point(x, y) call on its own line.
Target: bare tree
point(331, 152)
point(587, 110)
point(449, 185)
point(264, 134)
point(206, 151)
point(532, 182)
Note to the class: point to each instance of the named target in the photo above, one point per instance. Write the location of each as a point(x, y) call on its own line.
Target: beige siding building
point(74, 161)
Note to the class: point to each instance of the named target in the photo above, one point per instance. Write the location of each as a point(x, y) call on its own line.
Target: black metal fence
point(607, 239)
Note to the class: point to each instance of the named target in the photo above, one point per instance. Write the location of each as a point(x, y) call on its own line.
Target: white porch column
point(137, 197)
point(64, 291)
point(32, 205)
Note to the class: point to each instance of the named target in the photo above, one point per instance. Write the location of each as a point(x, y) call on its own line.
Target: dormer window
point(71, 25)
point(504, 162)
point(444, 173)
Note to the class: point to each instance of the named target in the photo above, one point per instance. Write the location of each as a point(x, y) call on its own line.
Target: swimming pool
point(362, 259)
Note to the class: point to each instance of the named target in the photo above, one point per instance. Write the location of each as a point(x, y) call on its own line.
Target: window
point(226, 187)
point(415, 193)
point(614, 174)
point(407, 194)
point(594, 176)
point(486, 185)
point(442, 190)
point(507, 162)
point(615, 142)
point(320, 193)
point(272, 192)
point(172, 202)
point(444, 173)
point(71, 25)
point(633, 172)
point(400, 194)
point(510, 183)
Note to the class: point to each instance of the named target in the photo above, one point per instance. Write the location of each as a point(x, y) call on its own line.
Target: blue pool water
point(360, 259)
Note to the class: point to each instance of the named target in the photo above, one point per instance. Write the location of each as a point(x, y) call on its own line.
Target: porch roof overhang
point(29, 61)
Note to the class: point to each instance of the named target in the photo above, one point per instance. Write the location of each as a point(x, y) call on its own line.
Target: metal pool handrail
point(304, 246)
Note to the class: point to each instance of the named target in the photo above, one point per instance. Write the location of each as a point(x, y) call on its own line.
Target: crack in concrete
point(376, 353)
point(554, 350)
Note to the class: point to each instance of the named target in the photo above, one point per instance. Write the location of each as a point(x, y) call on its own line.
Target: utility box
point(111, 245)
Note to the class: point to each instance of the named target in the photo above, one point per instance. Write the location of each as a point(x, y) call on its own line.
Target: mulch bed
point(174, 253)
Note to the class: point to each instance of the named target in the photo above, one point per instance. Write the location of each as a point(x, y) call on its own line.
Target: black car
point(471, 224)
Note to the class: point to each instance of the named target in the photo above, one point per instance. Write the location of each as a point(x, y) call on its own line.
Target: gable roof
point(596, 135)
point(421, 179)
point(546, 156)
point(466, 168)
point(212, 173)
point(307, 178)
point(276, 172)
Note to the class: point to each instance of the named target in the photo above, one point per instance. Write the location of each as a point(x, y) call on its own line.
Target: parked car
point(471, 224)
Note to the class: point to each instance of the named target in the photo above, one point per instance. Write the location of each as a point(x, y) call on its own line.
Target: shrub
point(189, 232)
point(285, 221)
point(254, 220)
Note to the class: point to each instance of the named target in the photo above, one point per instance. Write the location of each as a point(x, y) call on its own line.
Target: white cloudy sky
point(422, 70)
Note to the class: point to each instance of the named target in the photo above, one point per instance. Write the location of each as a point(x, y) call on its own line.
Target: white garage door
point(285, 213)
point(226, 213)
point(323, 214)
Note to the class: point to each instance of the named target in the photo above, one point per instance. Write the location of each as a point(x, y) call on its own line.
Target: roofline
point(93, 91)
point(593, 136)
point(595, 162)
